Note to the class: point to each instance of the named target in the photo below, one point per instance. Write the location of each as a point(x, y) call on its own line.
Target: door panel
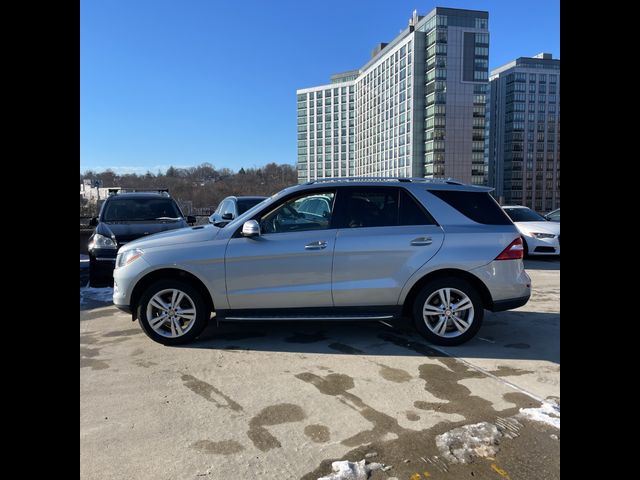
point(371, 265)
point(280, 270)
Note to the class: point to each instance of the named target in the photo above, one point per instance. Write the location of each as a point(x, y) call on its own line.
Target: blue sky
point(169, 82)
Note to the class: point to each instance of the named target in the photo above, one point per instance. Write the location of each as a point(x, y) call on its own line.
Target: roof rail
point(449, 181)
point(115, 191)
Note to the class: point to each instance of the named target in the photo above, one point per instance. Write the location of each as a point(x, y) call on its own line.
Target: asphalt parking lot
point(283, 400)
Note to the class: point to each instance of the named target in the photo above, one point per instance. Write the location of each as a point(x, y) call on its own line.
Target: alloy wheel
point(171, 313)
point(448, 312)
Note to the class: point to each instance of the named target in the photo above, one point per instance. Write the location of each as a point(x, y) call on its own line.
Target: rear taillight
point(514, 251)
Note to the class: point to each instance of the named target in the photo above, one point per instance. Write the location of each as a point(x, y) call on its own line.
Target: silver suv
point(437, 251)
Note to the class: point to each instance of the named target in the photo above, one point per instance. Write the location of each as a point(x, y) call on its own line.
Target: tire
point(526, 248)
point(166, 331)
point(453, 325)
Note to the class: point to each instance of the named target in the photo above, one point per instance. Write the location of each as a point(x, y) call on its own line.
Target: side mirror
point(227, 216)
point(251, 228)
point(191, 219)
point(93, 222)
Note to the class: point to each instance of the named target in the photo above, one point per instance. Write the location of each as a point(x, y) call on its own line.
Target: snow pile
point(99, 294)
point(548, 413)
point(461, 444)
point(346, 470)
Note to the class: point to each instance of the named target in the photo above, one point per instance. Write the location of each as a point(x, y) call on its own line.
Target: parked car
point(438, 251)
point(125, 217)
point(553, 216)
point(540, 236)
point(231, 207)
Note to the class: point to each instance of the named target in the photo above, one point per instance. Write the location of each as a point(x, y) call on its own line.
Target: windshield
point(524, 215)
point(245, 204)
point(140, 209)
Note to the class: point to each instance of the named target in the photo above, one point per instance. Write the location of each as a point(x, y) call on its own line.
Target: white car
point(541, 237)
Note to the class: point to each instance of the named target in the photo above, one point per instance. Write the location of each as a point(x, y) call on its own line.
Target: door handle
point(421, 241)
point(319, 245)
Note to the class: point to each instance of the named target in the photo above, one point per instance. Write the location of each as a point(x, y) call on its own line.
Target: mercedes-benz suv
point(437, 251)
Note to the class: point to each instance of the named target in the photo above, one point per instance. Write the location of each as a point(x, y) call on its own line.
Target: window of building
point(482, 38)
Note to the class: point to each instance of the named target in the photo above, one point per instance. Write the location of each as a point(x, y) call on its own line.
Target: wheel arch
point(164, 274)
point(478, 284)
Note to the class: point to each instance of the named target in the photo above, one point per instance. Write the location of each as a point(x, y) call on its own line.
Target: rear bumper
point(507, 282)
point(509, 304)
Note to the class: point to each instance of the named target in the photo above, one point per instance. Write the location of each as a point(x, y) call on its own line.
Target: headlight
point(128, 257)
point(542, 235)
point(100, 241)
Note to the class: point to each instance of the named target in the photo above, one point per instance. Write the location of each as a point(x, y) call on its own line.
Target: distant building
point(416, 109)
point(523, 132)
point(92, 192)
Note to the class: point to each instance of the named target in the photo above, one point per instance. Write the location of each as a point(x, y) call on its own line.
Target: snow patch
point(346, 470)
point(548, 413)
point(461, 444)
point(99, 294)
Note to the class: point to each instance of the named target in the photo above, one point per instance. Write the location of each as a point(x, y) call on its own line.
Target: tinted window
point(138, 209)
point(371, 207)
point(524, 215)
point(478, 206)
point(245, 204)
point(290, 217)
point(411, 213)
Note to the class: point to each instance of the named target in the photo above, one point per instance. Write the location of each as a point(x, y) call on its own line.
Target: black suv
point(124, 217)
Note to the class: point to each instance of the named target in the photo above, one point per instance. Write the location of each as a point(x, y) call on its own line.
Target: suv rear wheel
point(448, 311)
point(172, 312)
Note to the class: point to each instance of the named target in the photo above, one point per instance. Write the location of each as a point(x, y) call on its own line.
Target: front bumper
point(124, 280)
point(101, 265)
point(124, 308)
point(543, 246)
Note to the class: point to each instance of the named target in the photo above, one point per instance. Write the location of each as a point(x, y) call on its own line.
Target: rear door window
point(369, 207)
point(363, 207)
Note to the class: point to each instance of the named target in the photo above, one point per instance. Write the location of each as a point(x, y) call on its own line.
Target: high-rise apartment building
point(523, 132)
point(415, 109)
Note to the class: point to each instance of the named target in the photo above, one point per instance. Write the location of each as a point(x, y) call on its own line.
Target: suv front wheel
point(448, 311)
point(172, 312)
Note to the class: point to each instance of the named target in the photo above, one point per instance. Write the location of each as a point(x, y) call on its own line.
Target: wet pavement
point(285, 400)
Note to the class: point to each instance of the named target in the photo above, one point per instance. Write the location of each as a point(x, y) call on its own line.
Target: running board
point(310, 318)
point(347, 314)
